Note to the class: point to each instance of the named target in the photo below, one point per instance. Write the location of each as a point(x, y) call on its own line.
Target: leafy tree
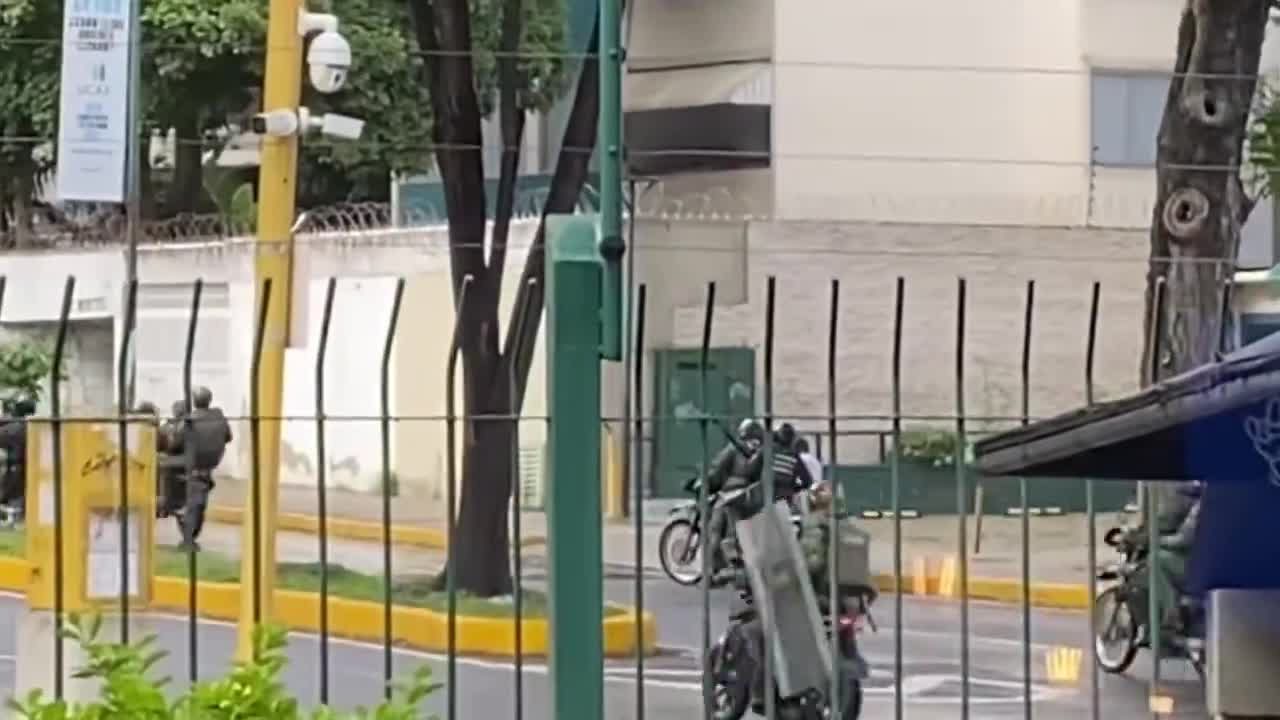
point(200, 62)
point(29, 61)
point(24, 368)
point(204, 67)
point(456, 36)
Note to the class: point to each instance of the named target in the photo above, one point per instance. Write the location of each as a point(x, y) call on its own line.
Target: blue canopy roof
point(1219, 423)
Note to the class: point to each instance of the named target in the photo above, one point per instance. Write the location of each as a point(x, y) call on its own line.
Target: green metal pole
point(574, 528)
point(612, 246)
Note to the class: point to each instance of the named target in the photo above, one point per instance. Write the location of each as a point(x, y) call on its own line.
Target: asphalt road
point(931, 654)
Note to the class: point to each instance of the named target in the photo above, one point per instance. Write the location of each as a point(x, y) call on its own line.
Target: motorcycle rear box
point(852, 560)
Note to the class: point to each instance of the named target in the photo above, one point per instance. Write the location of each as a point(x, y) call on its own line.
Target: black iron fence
point(886, 491)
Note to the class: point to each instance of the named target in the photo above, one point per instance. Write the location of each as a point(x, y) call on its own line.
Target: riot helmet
point(750, 431)
point(179, 408)
point(24, 405)
point(785, 435)
point(146, 407)
point(202, 397)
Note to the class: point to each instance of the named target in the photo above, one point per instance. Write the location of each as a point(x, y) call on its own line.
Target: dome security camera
point(328, 61)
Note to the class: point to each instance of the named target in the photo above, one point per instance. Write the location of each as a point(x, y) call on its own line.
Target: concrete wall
point(960, 113)
point(996, 263)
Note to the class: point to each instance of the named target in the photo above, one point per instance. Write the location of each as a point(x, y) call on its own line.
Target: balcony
point(698, 88)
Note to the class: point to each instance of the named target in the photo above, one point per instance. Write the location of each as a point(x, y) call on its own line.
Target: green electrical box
point(731, 390)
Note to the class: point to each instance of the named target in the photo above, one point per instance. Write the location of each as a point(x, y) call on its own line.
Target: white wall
point(962, 113)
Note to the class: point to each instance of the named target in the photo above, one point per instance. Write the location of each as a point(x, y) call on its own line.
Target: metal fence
point(638, 426)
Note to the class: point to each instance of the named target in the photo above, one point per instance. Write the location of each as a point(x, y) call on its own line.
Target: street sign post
point(93, 122)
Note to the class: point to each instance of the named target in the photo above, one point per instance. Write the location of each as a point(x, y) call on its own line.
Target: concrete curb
point(417, 628)
point(347, 529)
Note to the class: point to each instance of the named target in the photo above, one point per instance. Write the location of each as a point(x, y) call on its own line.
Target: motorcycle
point(734, 666)
point(680, 542)
point(1122, 611)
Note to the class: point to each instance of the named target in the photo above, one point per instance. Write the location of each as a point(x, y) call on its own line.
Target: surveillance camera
point(277, 123)
point(341, 126)
point(328, 60)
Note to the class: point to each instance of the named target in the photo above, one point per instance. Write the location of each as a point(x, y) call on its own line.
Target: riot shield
point(785, 600)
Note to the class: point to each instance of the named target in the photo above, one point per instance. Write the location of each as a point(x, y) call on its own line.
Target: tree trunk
point(482, 539)
point(1200, 199)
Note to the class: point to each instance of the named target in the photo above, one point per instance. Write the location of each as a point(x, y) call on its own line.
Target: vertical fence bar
point(766, 450)
point(962, 496)
point(895, 492)
point(704, 508)
point(322, 482)
point(637, 487)
point(517, 530)
point(1091, 511)
point(255, 432)
point(388, 656)
point(128, 323)
point(55, 417)
point(1027, 321)
point(188, 523)
point(451, 498)
point(833, 536)
point(1152, 501)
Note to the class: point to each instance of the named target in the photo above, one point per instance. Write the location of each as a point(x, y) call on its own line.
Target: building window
point(1125, 110)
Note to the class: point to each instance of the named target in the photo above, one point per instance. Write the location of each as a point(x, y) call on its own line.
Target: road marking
point(1038, 692)
point(1062, 665)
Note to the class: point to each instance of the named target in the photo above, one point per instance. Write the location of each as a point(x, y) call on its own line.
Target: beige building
point(1001, 141)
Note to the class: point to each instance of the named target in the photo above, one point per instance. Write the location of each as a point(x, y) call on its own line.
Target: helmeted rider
point(730, 471)
point(789, 475)
point(1173, 551)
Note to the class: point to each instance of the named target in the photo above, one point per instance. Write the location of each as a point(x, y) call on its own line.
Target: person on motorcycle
point(1176, 521)
point(789, 475)
point(730, 471)
point(1171, 556)
point(13, 441)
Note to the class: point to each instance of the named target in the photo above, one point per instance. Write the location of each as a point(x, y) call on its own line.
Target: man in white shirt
point(811, 462)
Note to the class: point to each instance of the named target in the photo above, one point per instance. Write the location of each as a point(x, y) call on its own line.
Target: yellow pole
point(282, 89)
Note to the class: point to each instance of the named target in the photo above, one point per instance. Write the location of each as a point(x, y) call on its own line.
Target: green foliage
point(29, 67)
point(1263, 143)
point(935, 448)
point(250, 690)
point(24, 366)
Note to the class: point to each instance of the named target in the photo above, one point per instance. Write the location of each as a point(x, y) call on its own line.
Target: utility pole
point(278, 167)
point(612, 246)
point(137, 145)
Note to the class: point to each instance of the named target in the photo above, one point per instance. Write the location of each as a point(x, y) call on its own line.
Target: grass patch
point(343, 583)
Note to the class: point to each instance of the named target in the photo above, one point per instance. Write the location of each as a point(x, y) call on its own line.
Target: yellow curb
point(346, 529)
point(417, 628)
point(1061, 596)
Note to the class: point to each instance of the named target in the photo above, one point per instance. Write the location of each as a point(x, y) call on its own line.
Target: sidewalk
point(1057, 543)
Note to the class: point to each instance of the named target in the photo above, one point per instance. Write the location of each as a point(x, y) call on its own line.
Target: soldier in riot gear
point(13, 441)
point(208, 433)
point(172, 462)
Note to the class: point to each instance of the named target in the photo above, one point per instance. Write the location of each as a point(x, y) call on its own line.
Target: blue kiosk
point(1219, 424)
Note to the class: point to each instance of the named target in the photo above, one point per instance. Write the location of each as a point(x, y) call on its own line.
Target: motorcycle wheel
point(681, 563)
point(1115, 652)
point(727, 700)
point(851, 700)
